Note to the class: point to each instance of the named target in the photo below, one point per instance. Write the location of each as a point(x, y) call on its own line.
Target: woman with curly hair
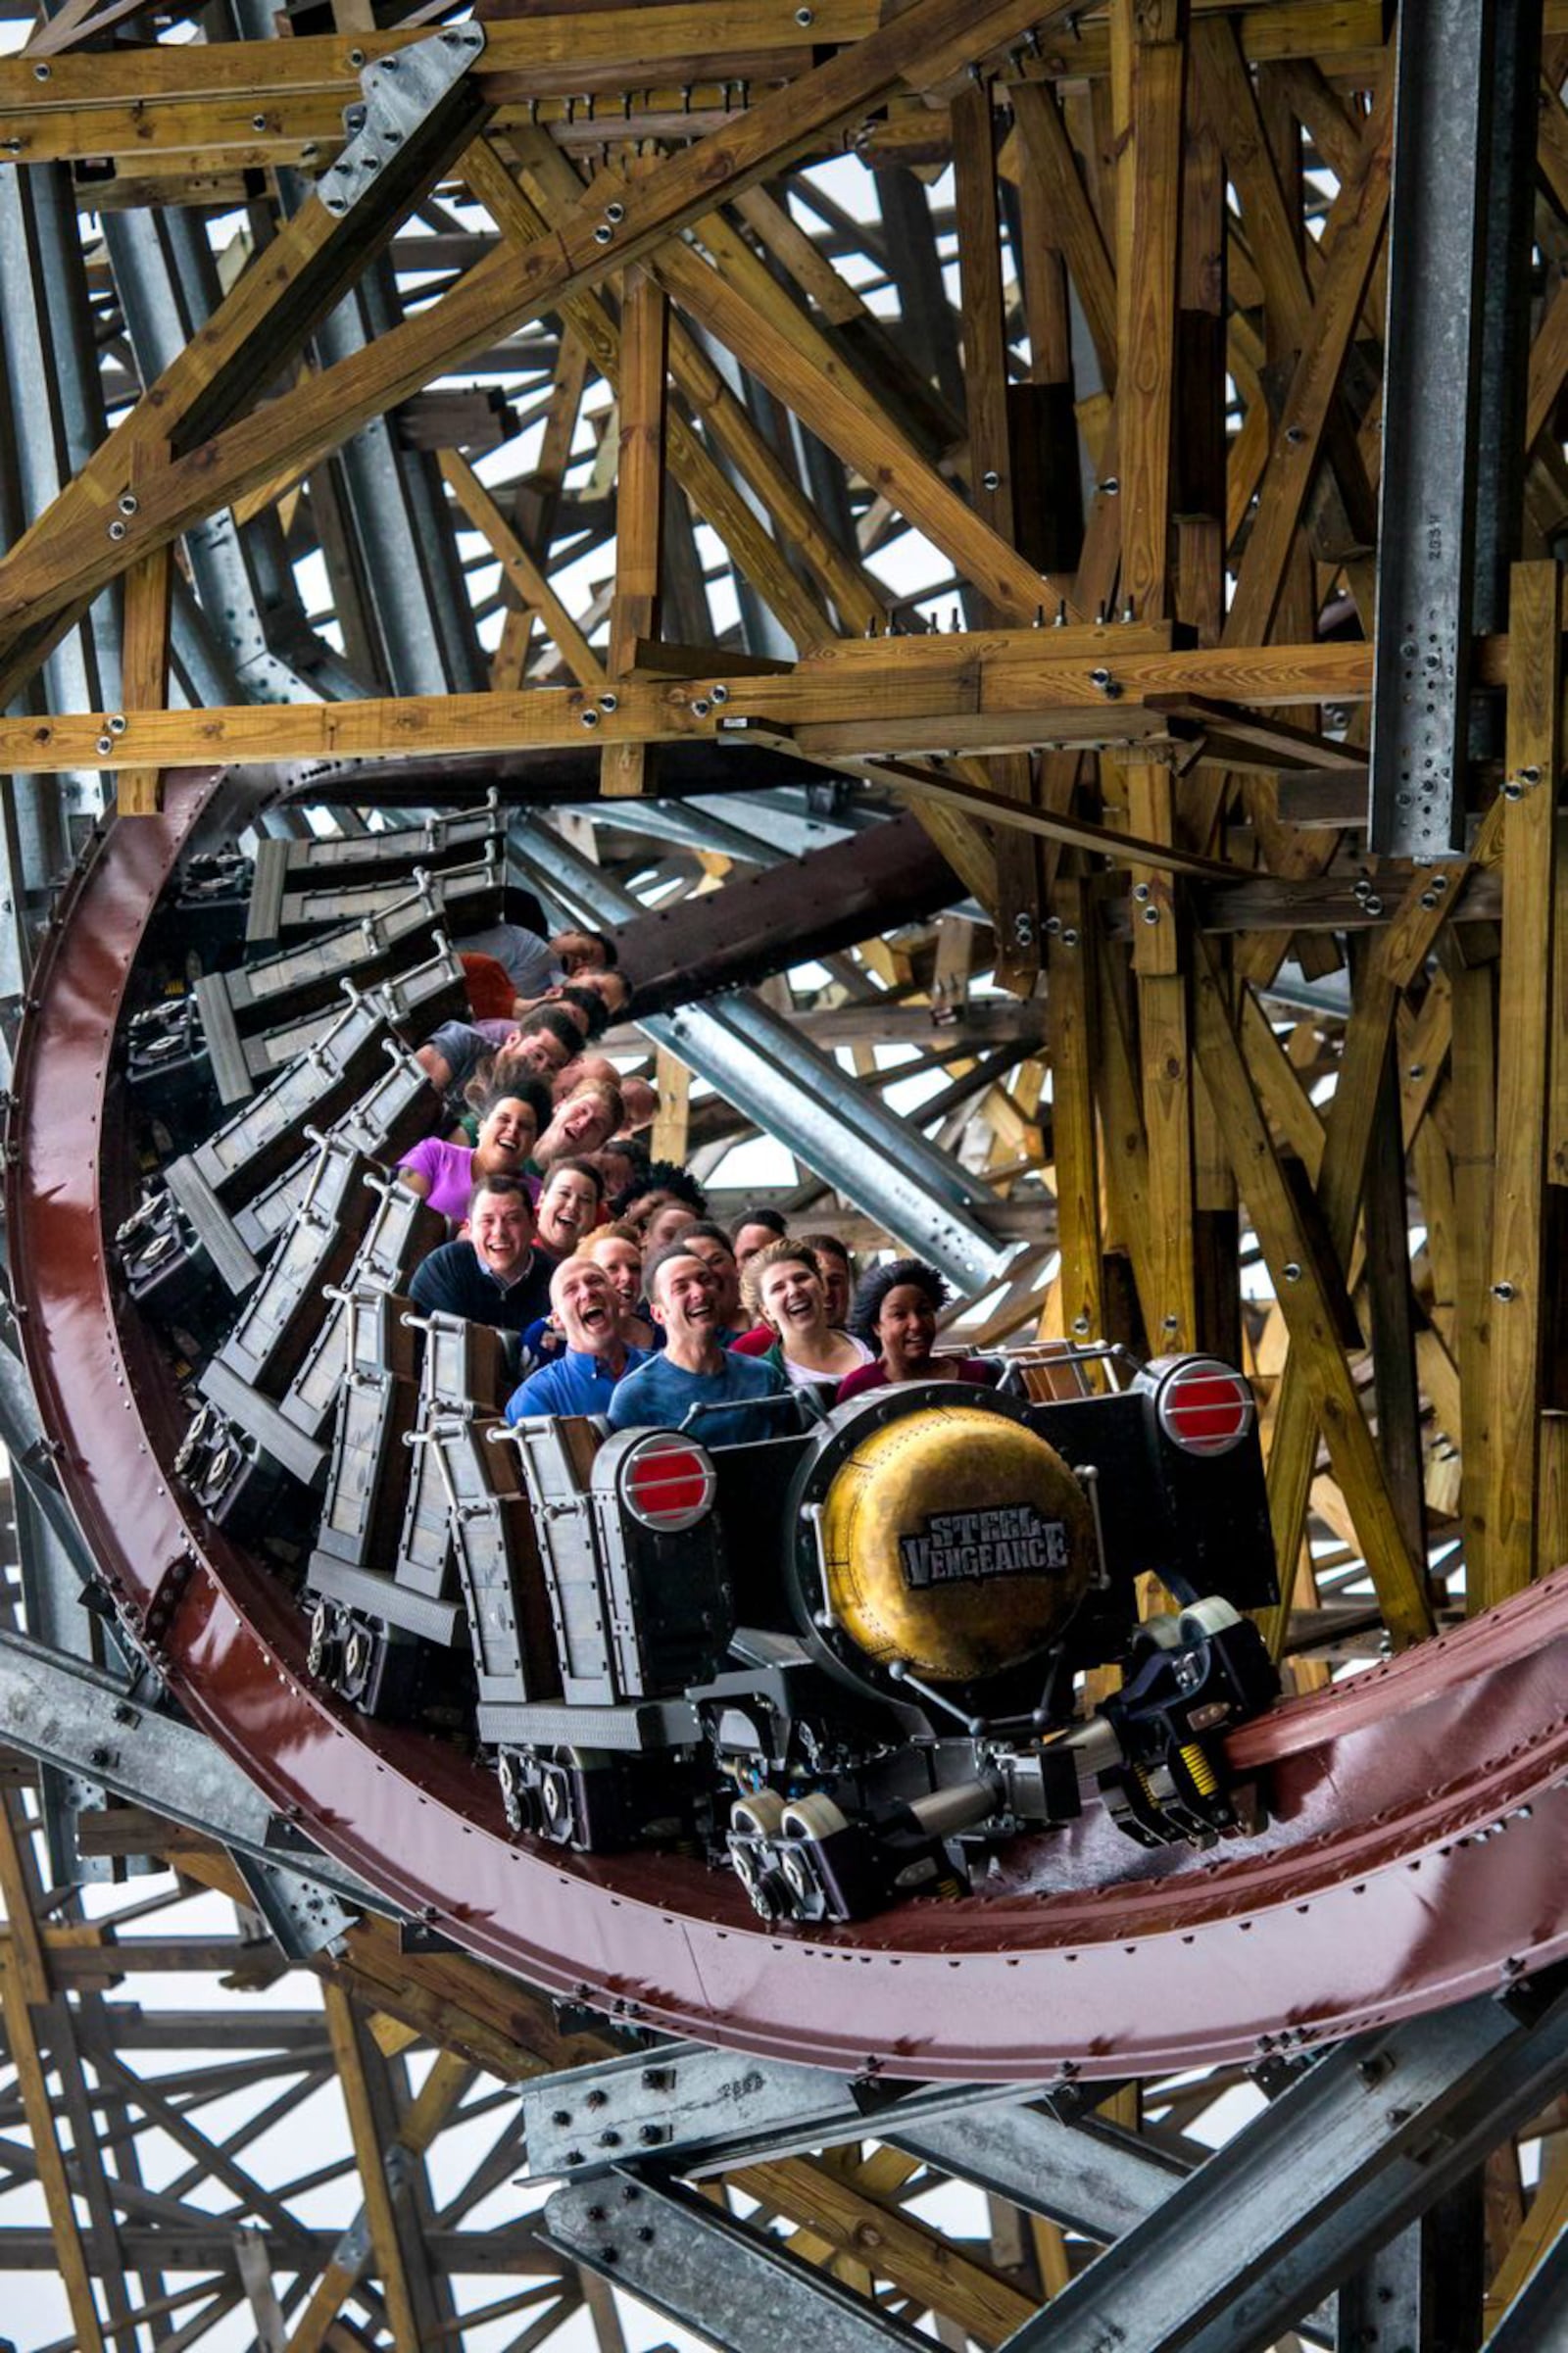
point(782, 1285)
point(895, 1307)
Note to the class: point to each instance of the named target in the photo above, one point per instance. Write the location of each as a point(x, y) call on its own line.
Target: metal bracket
point(700, 2106)
point(304, 1916)
point(400, 91)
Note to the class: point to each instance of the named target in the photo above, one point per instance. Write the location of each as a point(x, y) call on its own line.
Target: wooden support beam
point(1074, 1050)
point(1146, 281)
point(370, 2159)
point(1307, 1283)
point(517, 567)
point(48, 578)
point(1519, 1317)
point(993, 488)
point(634, 611)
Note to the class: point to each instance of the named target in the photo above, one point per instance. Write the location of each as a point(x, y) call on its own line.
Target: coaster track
point(1419, 1832)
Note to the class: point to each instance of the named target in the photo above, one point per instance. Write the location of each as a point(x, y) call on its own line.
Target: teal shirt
point(659, 1396)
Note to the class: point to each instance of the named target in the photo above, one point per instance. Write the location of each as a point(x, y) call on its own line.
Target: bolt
point(41, 73)
point(1504, 1291)
point(609, 702)
point(1069, 937)
point(356, 58)
point(1140, 889)
point(1513, 790)
point(615, 212)
point(596, 2214)
point(1295, 434)
point(1372, 903)
point(590, 718)
point(116, 530)
point(1109, 487)
point(719, 692)
point(1171, 1324)
point(258, 122)
point(128, 502)
point(1430, 898)
point(991, 480)
point(1080, 1324)
point(804, 16)
point(1530, 775)
point(602, 233)
point(646, 2235)
point(699, 709)
point(1292, 1272)
point(105, 746)
point(1099, 679)
point(609, 2140)
point(608, 2255)
point(1150, 915)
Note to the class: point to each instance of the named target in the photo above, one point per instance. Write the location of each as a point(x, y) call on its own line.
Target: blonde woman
point(782, 1286)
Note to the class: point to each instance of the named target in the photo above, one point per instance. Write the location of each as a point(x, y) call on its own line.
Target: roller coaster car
point(852, 1661)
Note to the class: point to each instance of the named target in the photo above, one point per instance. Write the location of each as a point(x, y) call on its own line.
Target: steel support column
point(1427, 505)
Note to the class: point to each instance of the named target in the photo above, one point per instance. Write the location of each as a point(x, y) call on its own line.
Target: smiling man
point(495, 1275)
point(580, 1381)
point(695, 1370)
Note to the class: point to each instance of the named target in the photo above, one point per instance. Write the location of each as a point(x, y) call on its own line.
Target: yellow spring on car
point(1204, 1780)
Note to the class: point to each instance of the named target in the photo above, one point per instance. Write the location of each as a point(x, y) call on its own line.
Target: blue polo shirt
point(573, 1382)
point(661, 1395)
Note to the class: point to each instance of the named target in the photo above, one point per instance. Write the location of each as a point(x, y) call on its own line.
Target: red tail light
point(667, 1483)
point(1204, 1407)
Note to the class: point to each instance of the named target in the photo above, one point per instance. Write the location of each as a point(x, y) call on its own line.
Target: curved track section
point(1418, 1852)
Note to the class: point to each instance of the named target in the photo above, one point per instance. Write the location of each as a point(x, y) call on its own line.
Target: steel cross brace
point(706, 2110)
point(74, 1716)
point(703, 2269)
point(1372, 2135)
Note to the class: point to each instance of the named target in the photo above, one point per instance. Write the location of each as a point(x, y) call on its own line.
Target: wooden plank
point(634, 611)
point(1146, 286)
point(1304, 1285)
point(1017, 910)
point(380, 2215)
point(1051, 161)
point(671, 1121)
point(519, 568)
point(1533, 758)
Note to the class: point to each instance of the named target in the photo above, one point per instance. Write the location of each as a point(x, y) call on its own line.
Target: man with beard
point(596, 1353)
point(694, 1370)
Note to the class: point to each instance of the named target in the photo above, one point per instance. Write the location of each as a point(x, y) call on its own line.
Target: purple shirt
point(447, 1168)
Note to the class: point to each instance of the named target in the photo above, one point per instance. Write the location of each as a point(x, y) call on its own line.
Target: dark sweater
point(452, 1281)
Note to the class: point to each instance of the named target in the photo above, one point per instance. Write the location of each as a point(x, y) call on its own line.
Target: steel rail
point(1418, 1851)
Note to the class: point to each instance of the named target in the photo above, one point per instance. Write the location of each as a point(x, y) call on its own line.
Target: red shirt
point(973, 1369)
point(757, 1343)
